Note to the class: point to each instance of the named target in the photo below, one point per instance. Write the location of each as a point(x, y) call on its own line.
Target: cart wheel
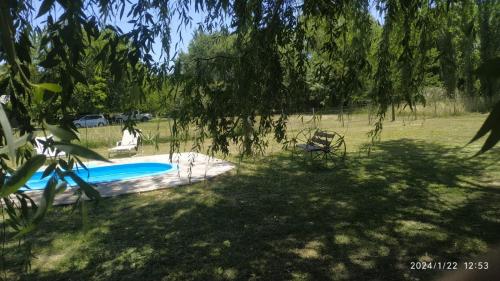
point(338, 147)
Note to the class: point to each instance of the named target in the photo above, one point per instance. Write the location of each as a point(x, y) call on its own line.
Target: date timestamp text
point(448, 265)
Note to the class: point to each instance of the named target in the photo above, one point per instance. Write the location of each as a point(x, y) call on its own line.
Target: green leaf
point(71, 163)
point(7, 130)
point(38, 95)
point(24, 206)
point(22, 175)
point(47, 199)
point(88, 189)
point(79, 77)
point(61, 187)
point(79, 162)
point(14, 220)
point(45, 7)
point(49, 170)
point(17, 143)
point(46, 202)
point(23, 196)
point(49, 87)
point(25, 230)
point(61, 133)
point(63, 164)
point(492, 123)
point(78, 150)
point(491, 141)
point(49, 62)
point(122, 10)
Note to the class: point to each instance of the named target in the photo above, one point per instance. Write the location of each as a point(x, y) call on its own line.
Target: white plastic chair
point(128, 143)
point(49, 152)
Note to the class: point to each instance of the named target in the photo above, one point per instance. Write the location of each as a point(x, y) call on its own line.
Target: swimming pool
point(100, 174)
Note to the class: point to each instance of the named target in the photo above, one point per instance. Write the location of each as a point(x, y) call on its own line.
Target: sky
point(186, 32)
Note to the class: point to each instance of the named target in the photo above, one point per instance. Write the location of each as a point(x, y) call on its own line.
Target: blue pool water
point(109, 173)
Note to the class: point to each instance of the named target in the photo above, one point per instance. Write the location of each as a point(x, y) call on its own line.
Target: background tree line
point(96, 89)
point(348, 59)
point(456, 37)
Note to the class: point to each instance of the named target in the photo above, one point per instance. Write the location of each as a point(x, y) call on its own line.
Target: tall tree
point(487, 48)
point(447, 49)
point(383, 91)
point(468, 34)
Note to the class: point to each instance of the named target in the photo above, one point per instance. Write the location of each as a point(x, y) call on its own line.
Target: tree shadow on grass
point(283, 219)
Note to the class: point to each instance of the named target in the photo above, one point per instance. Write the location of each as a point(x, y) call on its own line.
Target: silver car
point(93, 120)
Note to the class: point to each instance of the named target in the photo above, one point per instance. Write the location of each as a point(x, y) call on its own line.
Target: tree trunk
point(341, 113)
point(393, 111)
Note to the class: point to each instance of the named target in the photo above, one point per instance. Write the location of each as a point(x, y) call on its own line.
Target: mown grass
point(355, 129)
point(418, 196)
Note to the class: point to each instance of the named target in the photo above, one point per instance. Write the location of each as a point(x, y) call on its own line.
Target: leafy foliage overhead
point(283, 53)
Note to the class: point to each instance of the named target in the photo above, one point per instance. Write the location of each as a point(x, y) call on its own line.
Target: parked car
point(92, 120)
point(135, 115)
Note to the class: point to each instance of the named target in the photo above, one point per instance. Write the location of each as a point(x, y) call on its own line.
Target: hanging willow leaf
point(489, 68)
point(49, 87)
point(491, 124)
point(77, 75)
point(88, 189)
point(49, 170)
point(61, 187)
point(43, 207)
point(25, 230)
point(47, 199)
point(61, 133)
point(49, 62)
point(22, 175)
point(45, 7)
point(17, 143)
point(7, 130)
point(79, 150)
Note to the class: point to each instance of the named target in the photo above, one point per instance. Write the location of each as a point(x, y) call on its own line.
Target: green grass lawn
point(417, 197)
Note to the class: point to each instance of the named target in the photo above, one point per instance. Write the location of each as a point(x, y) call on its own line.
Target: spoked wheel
point(304, 135)
point(327, 145)
point(338, 148)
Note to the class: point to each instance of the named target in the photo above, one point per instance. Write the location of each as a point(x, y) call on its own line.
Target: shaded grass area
point(287, 218)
